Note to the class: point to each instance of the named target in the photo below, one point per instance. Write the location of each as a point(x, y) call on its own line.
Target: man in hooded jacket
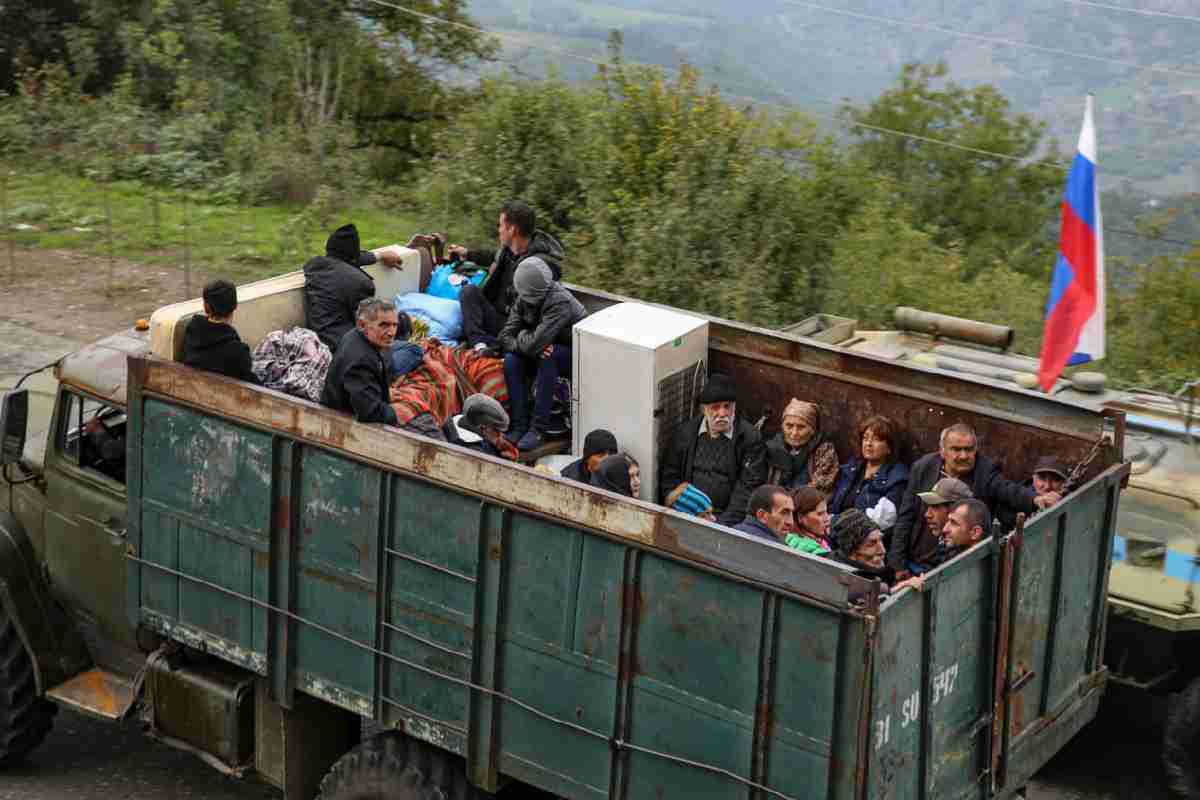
point(486, 309)
point(210, 341)
point(335, 283)
point(536, 340)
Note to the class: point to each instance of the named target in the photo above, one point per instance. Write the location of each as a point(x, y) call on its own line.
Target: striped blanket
point(433, 387)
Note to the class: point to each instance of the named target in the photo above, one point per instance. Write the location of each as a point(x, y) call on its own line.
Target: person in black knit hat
point(718, 452)
point(597, 446)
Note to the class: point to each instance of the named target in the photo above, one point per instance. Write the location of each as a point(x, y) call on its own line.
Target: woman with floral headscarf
point(800, 454)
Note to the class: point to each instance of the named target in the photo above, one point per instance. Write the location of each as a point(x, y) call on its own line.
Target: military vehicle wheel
point(25, 718)
point(1181, 743)
point(392, 766)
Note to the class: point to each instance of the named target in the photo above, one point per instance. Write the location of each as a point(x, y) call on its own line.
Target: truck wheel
point(392, 766)
point(1181, 743)
point(25, 718)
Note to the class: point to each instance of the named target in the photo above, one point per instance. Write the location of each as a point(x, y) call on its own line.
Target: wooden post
point(10, 241)
point(112, 255)
point(187, 244)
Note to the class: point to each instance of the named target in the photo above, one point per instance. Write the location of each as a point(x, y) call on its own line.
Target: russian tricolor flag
point(1074, 331)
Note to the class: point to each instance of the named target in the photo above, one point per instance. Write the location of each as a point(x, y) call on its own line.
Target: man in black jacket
point(718, 452)
point(210, 341)
point(958, 457)
point(335, 283)
point(536, 340)
point(357, 377)
point(485, 310)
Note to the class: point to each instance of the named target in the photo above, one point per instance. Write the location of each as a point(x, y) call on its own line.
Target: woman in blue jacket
point(874, 476)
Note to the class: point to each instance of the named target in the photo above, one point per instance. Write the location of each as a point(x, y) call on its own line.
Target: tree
point(998, 207)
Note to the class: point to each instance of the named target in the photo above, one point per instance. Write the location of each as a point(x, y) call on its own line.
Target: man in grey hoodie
point(485, 309)
point(536, 340)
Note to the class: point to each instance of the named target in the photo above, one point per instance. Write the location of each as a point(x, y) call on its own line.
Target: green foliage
point(1153, 335)
point(998, 208)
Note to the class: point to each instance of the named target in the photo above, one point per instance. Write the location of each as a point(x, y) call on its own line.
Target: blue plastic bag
point(443, 316)
point(445, 282)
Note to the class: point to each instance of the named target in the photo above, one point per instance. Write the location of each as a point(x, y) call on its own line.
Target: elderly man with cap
point(481, 427)
point(921, 546)
point(335, 283)
point(1050, 475)
point(718, 452)
point(536, 340)
point(597, 446)
point(958, 456)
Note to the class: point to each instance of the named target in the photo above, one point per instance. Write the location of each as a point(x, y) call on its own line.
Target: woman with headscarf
point(866, 482)
point(801, 454)
point(811, 531)
point(613, 474)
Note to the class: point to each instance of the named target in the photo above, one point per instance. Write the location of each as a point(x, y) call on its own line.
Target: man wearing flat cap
point(718, 453)
point(481, 427)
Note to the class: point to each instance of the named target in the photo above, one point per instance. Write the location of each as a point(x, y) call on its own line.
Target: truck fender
point(49, 636)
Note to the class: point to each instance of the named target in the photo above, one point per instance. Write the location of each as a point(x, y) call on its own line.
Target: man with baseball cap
point(937, 502)
point(718, 452)
point(1049, 475)
point(597, 446)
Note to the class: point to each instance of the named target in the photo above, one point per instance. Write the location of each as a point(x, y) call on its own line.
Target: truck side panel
point(1054, 670)
point(933, 683)
point(587, 665)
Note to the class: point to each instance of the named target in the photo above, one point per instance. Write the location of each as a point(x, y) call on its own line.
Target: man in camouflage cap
point(937, 502)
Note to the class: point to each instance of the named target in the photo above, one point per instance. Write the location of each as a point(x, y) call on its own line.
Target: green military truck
point(269, 573)
point(1153, 631)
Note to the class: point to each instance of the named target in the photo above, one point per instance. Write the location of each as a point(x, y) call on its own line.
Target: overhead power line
point(992, 39)
point(1142, 11)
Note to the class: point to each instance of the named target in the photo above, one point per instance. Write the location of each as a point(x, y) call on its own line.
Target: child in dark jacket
point(210, 341)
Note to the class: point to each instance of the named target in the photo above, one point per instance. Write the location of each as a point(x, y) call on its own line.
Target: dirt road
point(59, 304)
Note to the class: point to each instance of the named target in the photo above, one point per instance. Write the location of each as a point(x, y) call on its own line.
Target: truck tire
point(25, 718)
point(392, 766)
point(1181, 743)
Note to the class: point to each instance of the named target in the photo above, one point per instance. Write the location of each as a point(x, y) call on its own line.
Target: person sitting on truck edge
point(966, 525)
point(801, 454)
point(958, 457)
point(210, 341)
point(717, 451)
point(536, 341)
point(335, 284)
point(768, 514)
point(485, 309)
point(613, 475)
point(865, 482)
point(597, 446)
point(357, 378)
point(1050, 475)
point(635, 474)
point(483, 416)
